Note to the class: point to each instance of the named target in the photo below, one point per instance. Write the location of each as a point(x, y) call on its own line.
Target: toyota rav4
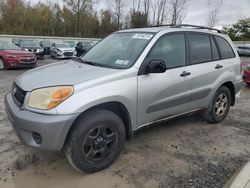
point(88, 106)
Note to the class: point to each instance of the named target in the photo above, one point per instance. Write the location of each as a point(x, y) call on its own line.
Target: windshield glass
point(8, 46)
point(29, 43)
point(46, 43)
point(119, 50)
point(63, 45)
point(71, 43)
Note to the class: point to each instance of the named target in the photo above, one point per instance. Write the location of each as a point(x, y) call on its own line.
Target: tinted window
point(29, 43)
point(225, 48)
point(214, 50)
point(200, 48)
point(171, 49)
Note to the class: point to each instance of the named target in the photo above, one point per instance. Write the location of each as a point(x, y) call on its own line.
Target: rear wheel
point(219, 107)
point(95, 141)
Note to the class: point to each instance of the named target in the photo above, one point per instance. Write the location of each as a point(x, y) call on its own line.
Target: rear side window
point(225, 48)
point(215, 52)
point(200, 48)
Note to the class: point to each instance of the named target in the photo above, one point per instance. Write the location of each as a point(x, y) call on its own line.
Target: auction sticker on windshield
point(143, 36)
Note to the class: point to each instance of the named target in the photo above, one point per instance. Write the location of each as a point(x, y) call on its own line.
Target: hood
point(62, 73)
point(66, 49)
point(16, 52)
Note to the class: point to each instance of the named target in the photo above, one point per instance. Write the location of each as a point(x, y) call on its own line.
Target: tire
point(219, 107)
point(89, 146)
point(2, 65)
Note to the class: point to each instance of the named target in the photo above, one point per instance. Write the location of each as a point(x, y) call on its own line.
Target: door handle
point(185, 73)
point(218, 66)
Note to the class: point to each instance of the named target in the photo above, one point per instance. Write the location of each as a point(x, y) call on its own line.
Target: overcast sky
point(231, 11)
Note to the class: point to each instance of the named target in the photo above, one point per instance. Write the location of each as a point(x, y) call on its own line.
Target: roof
point(181, 27)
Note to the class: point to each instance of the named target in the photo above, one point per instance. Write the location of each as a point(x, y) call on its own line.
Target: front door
point(162, 95)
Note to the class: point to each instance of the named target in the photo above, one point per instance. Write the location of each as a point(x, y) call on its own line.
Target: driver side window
point(171, 49)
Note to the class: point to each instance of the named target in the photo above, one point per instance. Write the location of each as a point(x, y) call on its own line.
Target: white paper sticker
point(121, 62)
point(142, 36)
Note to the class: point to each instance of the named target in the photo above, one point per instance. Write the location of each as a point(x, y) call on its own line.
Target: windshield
point(48, 43)
point(8, 46)
point(63, 45)
point(29, 43)
point(119, 50)
point(71, 43)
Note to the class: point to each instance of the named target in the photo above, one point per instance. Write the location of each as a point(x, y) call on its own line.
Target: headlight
point(48, 98)
point(26, 49)
point(248, 67)
point(39, 50)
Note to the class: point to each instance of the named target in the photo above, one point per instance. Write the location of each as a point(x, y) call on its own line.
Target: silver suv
point(90, 105)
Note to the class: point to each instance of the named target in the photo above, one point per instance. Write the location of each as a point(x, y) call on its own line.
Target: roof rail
point(187, 25)
point(197, 27)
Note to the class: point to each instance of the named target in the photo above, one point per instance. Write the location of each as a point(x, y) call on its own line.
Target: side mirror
point(156, 66)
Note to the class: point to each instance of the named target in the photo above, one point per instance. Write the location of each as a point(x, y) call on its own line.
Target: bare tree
point(146, 7)
point(178, 11)
point(214, 7)
point(118, 6)
point(78, 7)
point(159, 11)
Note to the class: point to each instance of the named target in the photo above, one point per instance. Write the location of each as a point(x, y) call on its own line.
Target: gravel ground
point(186, 152)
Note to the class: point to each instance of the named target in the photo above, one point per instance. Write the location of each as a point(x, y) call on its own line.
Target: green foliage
point(239, 31)
point(139, 19)
point(74, 18)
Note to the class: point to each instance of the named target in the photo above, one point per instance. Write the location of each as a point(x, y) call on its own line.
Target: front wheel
point(95, 141)
point(219, 107)
point(2, 65)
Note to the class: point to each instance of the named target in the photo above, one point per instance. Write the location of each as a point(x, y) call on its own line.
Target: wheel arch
point(116, 107)
point(231, 88)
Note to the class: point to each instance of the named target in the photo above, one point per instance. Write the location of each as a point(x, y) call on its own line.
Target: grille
point(68, 53)
point(27, 60)
point(18, 94)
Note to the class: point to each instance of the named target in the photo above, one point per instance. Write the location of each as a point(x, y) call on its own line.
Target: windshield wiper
point(87, 62)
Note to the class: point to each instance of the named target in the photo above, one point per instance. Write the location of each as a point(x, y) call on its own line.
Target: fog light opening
point(37, 137)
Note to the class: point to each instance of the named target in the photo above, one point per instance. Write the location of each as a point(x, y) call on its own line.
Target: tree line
point(80, 18)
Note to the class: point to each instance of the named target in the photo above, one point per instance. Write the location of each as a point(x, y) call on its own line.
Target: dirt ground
point(187, 152)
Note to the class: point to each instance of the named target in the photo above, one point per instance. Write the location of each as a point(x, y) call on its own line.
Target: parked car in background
point(15, 41)
point(246, 75)
point(89, 106)
point(32, 46)
point(46, 46)
point(83, 47)
point(71, 43)
point(243, 50)
point(62, 50)
point(11, 56)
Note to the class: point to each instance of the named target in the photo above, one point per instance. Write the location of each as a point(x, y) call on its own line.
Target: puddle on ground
point(60, 175)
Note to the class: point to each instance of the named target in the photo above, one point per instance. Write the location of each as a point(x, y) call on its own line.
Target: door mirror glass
point(156, 66)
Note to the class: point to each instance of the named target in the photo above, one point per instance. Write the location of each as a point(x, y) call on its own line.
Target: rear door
point(165, 94)
point(206, 67)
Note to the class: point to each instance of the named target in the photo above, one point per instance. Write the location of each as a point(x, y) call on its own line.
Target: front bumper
point(20, 63)
point(52, 128)
point(39, 55)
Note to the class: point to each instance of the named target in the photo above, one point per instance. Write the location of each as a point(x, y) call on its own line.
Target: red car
point(11, 56)
point(246, 75)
